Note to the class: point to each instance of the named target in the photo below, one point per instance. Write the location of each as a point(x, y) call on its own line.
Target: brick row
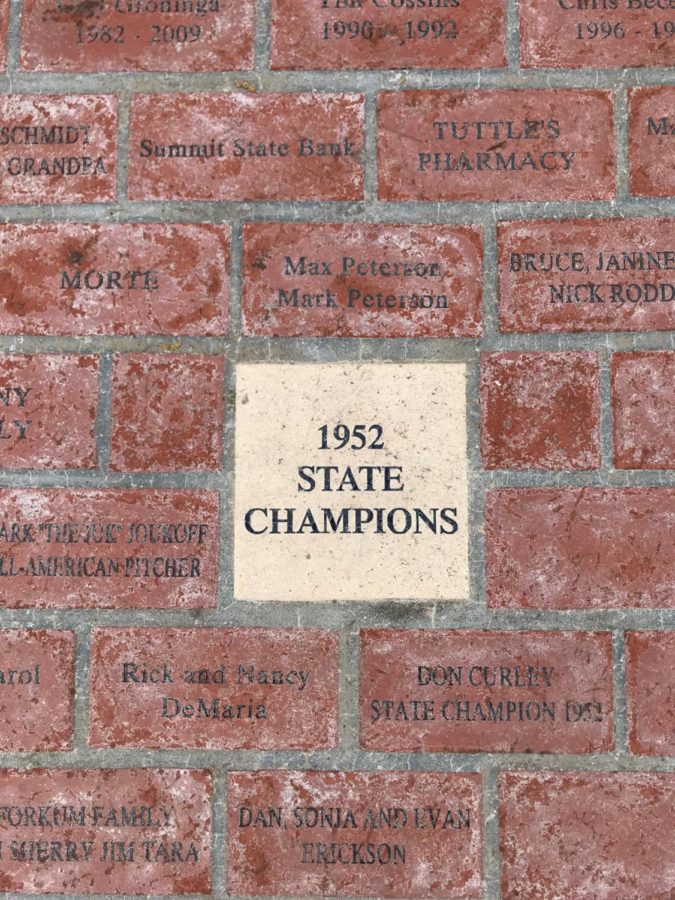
point(49, 411)
point(218, 35)
point(351, 834)
point(563, 388)
point(276, 689)
point(337, 280)
point(497, 145)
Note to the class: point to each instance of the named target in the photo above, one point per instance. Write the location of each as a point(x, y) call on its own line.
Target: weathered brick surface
point(235, 688)
point(48, 411)
point(652, 141)
point(336, 448)
point(124, 549)
point(117, 830)
point(540, 411)
point(596, 846)
point(114, 279)
point(495, 145)
point(594, 35)
point(249, 147)
point(643, 391)
point(651, 683)
point(586, 275)
point(76, 162)
point(37, 684)
point(388, 35)
point(167, 412)
point(427, 843)
point(472, 691)
point(105, 35)
point(585, 548)
point(117, 279)
point(362, 281)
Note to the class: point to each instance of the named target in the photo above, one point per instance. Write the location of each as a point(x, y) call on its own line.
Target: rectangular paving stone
point(387, 34)
point(70, 279)
point(599, 34)
point(238, 146)
point(108, 548)
point(495, 145)
point(354, 834)
point(184, 394)
point(486, 691)
point(58, 149)
point(137, 35)
point(244, 688)
point(643, 407)
point(362, 280)
point(586, 275)
point(116, 831)
point(581, 548)
point(48, 411)
point(368, 463)
point(540, 411)
point(650, 678)
point(651, 122)
point(611, 835)
point(37, 684)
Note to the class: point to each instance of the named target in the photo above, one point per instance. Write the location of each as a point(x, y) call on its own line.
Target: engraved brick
point(108, 549)
point(362, 280)
point(48, 411)
point(609, 834)
point(486, 691)
point(643, 396)
point(651, 121)
point(576, 35)
point(70, 279)
point(36, 690)
point(167, 412)
point(586, 548)
point(59, 149)
point(332, 504)
point(495, 145)
point(245, 688)
point(587, 275)
point(119, 831)
point(407, 834)
point(650, 678)
point(128, 36)
point(322, 34)
point(278, 146)
point(540, 411)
